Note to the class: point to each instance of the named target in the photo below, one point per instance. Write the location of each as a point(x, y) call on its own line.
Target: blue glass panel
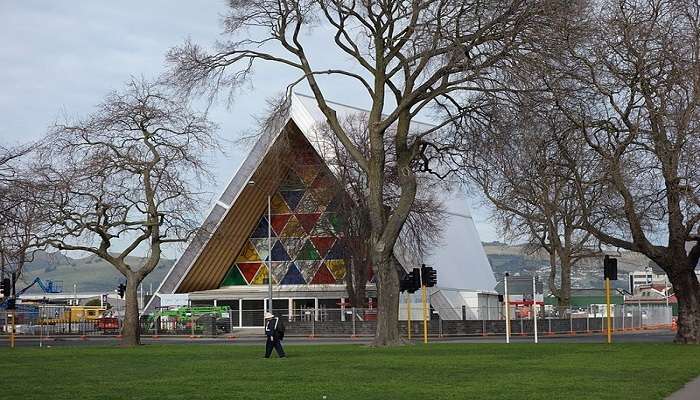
point(293, 276)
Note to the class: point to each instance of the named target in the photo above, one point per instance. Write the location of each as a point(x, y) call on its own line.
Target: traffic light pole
point(13, 293)
point(408, 310)
point(425, 314)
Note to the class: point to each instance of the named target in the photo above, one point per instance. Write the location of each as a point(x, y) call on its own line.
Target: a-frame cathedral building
point(281, 209)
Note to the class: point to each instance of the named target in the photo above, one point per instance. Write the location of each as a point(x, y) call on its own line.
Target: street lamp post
point(269, 251)
point(268, 262)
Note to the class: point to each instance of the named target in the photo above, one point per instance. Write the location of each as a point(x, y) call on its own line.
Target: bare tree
point(19, 218)
point(421, 230)
point(628, 81)
point(511, 155)
point(19, 229)
point(126, 177)
point(406, 56)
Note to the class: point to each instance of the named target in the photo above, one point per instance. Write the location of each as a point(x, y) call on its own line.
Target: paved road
point(252, 339)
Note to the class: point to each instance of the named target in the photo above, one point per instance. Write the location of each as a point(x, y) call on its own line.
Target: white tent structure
point(464, 272)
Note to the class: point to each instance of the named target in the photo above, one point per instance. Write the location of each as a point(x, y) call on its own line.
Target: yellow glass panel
point(278, 205)
point(337, 268)
point(248, 253)
point(260, 277)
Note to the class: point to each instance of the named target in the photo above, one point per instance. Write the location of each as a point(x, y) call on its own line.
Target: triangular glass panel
point(335, 203)
point(337, 267)
point(308, 221)
point(248, 253)
point(292, 197)
point(278, 205)
point(323, 276)
point(323, 181)
point(323, 196)
point(337, 221)
point(293, 276)
point(308, 252)
point(337, 252)
point(293, 246)
point(279, 253)
point(307, 173)
point(323, 227)
point(234, 278)
point(308, 269)
point(309, 205)
point(260, 230)
point(292, 182)
point(249, 270)
point(323, 244)
point(262, 247)
point(279, 269)
point(293, 228)
point(261, 276)
point(279, 221)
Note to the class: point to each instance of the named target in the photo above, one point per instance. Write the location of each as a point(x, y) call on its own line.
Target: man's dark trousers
point(273, 342)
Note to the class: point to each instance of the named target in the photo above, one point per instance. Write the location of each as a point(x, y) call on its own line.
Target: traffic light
point(411, 282)
point(429, 276)
point(610, 268)
point(121, 289)
point(6, 287)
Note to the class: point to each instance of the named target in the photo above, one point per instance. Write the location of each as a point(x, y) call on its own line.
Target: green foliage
point(439, 371)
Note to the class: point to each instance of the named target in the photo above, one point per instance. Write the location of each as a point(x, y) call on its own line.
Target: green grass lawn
point(436, 371)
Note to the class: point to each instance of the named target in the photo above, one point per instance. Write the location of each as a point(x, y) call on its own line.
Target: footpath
point(691, 391)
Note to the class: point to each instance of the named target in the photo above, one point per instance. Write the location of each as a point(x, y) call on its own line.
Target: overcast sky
point(60, 58)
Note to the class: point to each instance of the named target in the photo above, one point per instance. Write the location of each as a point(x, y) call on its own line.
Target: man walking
point(274, 330)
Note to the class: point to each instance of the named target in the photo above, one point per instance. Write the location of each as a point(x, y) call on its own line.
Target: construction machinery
point(46, 287)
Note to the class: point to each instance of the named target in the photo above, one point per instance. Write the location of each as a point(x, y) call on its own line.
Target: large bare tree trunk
point(131, 331)
point(687, 290)
point(387, 333)
point(564, 296)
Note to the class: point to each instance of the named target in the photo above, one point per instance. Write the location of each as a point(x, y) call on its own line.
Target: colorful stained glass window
point(305, 230)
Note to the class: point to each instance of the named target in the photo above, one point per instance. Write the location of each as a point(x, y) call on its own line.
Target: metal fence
point(311, 321)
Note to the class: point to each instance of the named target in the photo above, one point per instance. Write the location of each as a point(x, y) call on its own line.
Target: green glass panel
point(234, 278)
point(336, 221)
point(308, 252)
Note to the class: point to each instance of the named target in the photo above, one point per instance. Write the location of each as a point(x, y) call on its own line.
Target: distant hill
point(91, 274)
point(587, 274)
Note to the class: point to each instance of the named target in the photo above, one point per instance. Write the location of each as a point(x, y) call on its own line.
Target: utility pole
point(534, 306)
